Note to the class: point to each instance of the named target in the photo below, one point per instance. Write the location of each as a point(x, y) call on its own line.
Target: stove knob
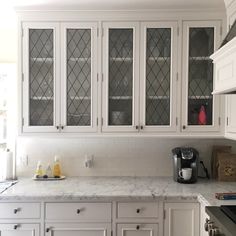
point(206, 225)
point(216, 232)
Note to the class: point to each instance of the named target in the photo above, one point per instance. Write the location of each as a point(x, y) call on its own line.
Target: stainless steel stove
point(222, 221)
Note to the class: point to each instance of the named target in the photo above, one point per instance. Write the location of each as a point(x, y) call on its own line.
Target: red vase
point(202, 118)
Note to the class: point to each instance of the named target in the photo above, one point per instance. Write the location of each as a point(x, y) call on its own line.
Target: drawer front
point(100, 212)
point(138, 210)
point(19, 210)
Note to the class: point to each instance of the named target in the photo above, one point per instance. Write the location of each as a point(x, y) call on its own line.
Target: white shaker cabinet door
point(19, 229)
point(182, 219)
point(68, 229)
point(137, 230)
point(231, 115)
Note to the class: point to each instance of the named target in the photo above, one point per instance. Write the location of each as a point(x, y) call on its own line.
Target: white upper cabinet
point(60, 77)
point(79, 77)
point(158, 74)
point(121, 76)
point(200, 109)
point(41, 63)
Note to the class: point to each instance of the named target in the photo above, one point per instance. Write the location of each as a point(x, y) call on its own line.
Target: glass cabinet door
point(158, 76)
point(120, 76)
point(201, 104)
point(79, 77)
point(39, 77)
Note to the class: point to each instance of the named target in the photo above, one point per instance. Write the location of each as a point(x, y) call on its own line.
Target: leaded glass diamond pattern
point(78, 77)
point(158, 71)
point(41, 77)
point(200, 85)
point(120, 76)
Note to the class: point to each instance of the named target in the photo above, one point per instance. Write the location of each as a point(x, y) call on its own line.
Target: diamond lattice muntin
point(78, 77)
point(120, 76)
point(158, 71)
point(200, 85)
point(41, 77)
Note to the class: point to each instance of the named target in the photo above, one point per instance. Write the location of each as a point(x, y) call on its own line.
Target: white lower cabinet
point(137, 229)
point(19, 229)
point(75, 229)
point(181, 219)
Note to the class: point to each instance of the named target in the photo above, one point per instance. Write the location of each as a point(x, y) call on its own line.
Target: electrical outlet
point(24, 160)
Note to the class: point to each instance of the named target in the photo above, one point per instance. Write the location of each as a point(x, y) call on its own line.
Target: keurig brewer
point(185, 164)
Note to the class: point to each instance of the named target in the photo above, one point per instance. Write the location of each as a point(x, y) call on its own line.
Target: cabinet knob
point(136, 127)
point(47, 230)
point(138, 210)
point(58, 127)
point(137, 227)
point(15, 227)
point(184, 126)
point(16, 210)
point(78, 211)
point(141, 127)
point(62, 126)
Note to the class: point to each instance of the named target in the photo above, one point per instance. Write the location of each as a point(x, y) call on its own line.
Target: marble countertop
point(117, 188)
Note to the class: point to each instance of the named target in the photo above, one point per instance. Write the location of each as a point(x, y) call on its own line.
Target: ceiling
point(115, 4)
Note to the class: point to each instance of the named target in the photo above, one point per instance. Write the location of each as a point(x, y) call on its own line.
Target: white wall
point(112, 156)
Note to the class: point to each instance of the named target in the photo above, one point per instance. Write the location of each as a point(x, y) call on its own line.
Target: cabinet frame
point(26, 127)
point(173, 77)
point(215, 127)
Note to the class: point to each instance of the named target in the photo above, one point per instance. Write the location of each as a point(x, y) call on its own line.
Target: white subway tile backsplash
point(121, 156)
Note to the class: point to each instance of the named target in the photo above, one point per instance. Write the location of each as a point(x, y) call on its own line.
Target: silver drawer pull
point(78, 211)
point(137, 227)
point(16, 210)
point(15, 227)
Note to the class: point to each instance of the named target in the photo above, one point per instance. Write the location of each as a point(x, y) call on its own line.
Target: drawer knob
point(16, 210)
point(138, 210)
point(78, 211)
point(15, 227)
point(137, 227)
point(47, 230)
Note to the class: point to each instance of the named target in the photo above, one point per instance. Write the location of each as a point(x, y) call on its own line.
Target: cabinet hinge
point(221, 30)
point(178, 31)
point(23, 121)
point(176, 120)
point(227, 121)
point(22, 77)
point(164, 214)
point(97, 120)
point(97, 77)
point(219, 121)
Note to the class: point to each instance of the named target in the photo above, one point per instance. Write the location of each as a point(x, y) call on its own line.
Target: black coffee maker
point(185, 157)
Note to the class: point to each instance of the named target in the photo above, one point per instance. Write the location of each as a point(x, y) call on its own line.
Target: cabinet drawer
point(100, 212)
point(19, 210)
point(138, 210)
